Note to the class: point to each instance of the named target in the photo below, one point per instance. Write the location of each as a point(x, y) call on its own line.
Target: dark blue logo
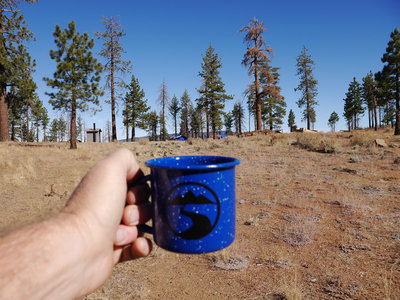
point(191, 210)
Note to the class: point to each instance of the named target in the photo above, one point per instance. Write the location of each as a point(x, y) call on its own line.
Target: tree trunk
point(37, 133)
point(133, 133)
point(44, 134)
point(4, 134)
point(375, 115)
point(28, 135)
point(13, 130)
point(113, 121)
point(208, 122)
point(175, 125)
point(397, 97)
point(73, 126)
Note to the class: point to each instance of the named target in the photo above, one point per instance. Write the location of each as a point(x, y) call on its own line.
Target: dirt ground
point(318, 216)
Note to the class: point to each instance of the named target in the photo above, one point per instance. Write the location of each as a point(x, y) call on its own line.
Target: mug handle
point(143, 227)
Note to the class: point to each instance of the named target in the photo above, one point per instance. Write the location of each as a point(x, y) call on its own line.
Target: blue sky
point(165, 40)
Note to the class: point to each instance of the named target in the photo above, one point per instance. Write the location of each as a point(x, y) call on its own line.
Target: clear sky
point(165, 40)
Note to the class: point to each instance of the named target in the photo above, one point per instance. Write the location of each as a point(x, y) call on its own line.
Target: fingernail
point(121, 236)
point(133, 216)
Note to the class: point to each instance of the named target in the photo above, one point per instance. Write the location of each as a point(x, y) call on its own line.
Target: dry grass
point(318, 216)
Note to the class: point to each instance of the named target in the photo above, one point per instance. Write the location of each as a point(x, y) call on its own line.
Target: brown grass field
point(318, 216)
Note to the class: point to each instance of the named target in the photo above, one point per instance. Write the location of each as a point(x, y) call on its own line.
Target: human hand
point(107, 213)
point(73, 253)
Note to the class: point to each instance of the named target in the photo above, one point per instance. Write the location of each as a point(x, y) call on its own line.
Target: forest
point(75, 87)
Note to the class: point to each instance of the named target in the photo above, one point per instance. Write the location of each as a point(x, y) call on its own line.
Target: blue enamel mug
point(193, 201)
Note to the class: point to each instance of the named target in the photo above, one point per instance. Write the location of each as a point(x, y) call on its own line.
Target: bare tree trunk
point(44, 134)
point(73, 126)
point(133, 139)
point(28, 135)
point(397, 97)
point(4, 135)
point(375, 114)
point(113, 121)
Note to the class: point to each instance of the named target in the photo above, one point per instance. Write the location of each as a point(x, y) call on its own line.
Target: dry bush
point(318, 142)
point(143, 141)
point(282, 140)
point(195, 141)
point(363, 138)
point(213, 144)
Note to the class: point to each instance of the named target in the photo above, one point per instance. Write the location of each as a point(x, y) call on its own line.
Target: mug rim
point(166, 162)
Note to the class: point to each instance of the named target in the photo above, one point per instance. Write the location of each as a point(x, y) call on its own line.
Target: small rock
point(380, 143)
point(242, 201)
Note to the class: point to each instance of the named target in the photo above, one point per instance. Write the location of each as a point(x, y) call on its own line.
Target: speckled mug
point(193, 199)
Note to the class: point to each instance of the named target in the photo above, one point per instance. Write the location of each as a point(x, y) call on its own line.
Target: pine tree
point(307, 85)
point(77, 77)
point(213, 93)
point(353, 108)
point(392, 72)
point(163, 100)
point(203, 104)
point(174, 109)
point(112, 52)
point(384, 98)
point(291, 119)
point(256, 56)
point(152, 121)
point(368, 94)
point(195, 121)
point(228, 122)
point(13, 33)
point(45, 122)
point(15, 112)
point(273, 104)
point(238, 116)
point(135, 107)
point(333, 119)
point(54, 131)
point(185, 105)
point(38, 112)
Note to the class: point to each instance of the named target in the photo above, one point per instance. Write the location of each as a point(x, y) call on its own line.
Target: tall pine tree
point(307, 86)
point(13, 33)
point(391, 71)
point(77, 77)
point(135, 108)
point(213, 93)
point(353, 108)
point(273, 104)
point(186, 105)
point(291, 119)
point(112, 52)
point(238, 116)
point(257, 56)
point(174, 109)
point(163, 100)
point(368, 94)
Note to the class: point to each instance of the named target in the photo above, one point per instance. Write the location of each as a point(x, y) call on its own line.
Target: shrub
point(318, 142)
point(362, 139)
point(143, 141)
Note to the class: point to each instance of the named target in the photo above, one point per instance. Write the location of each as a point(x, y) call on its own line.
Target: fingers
point(138, 194)
point(136, 214)
point(140, 248)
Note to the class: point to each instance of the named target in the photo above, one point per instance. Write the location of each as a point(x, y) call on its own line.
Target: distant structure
point(93, 135)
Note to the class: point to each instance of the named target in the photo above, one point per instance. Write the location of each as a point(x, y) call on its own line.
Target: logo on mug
point(191, 210)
